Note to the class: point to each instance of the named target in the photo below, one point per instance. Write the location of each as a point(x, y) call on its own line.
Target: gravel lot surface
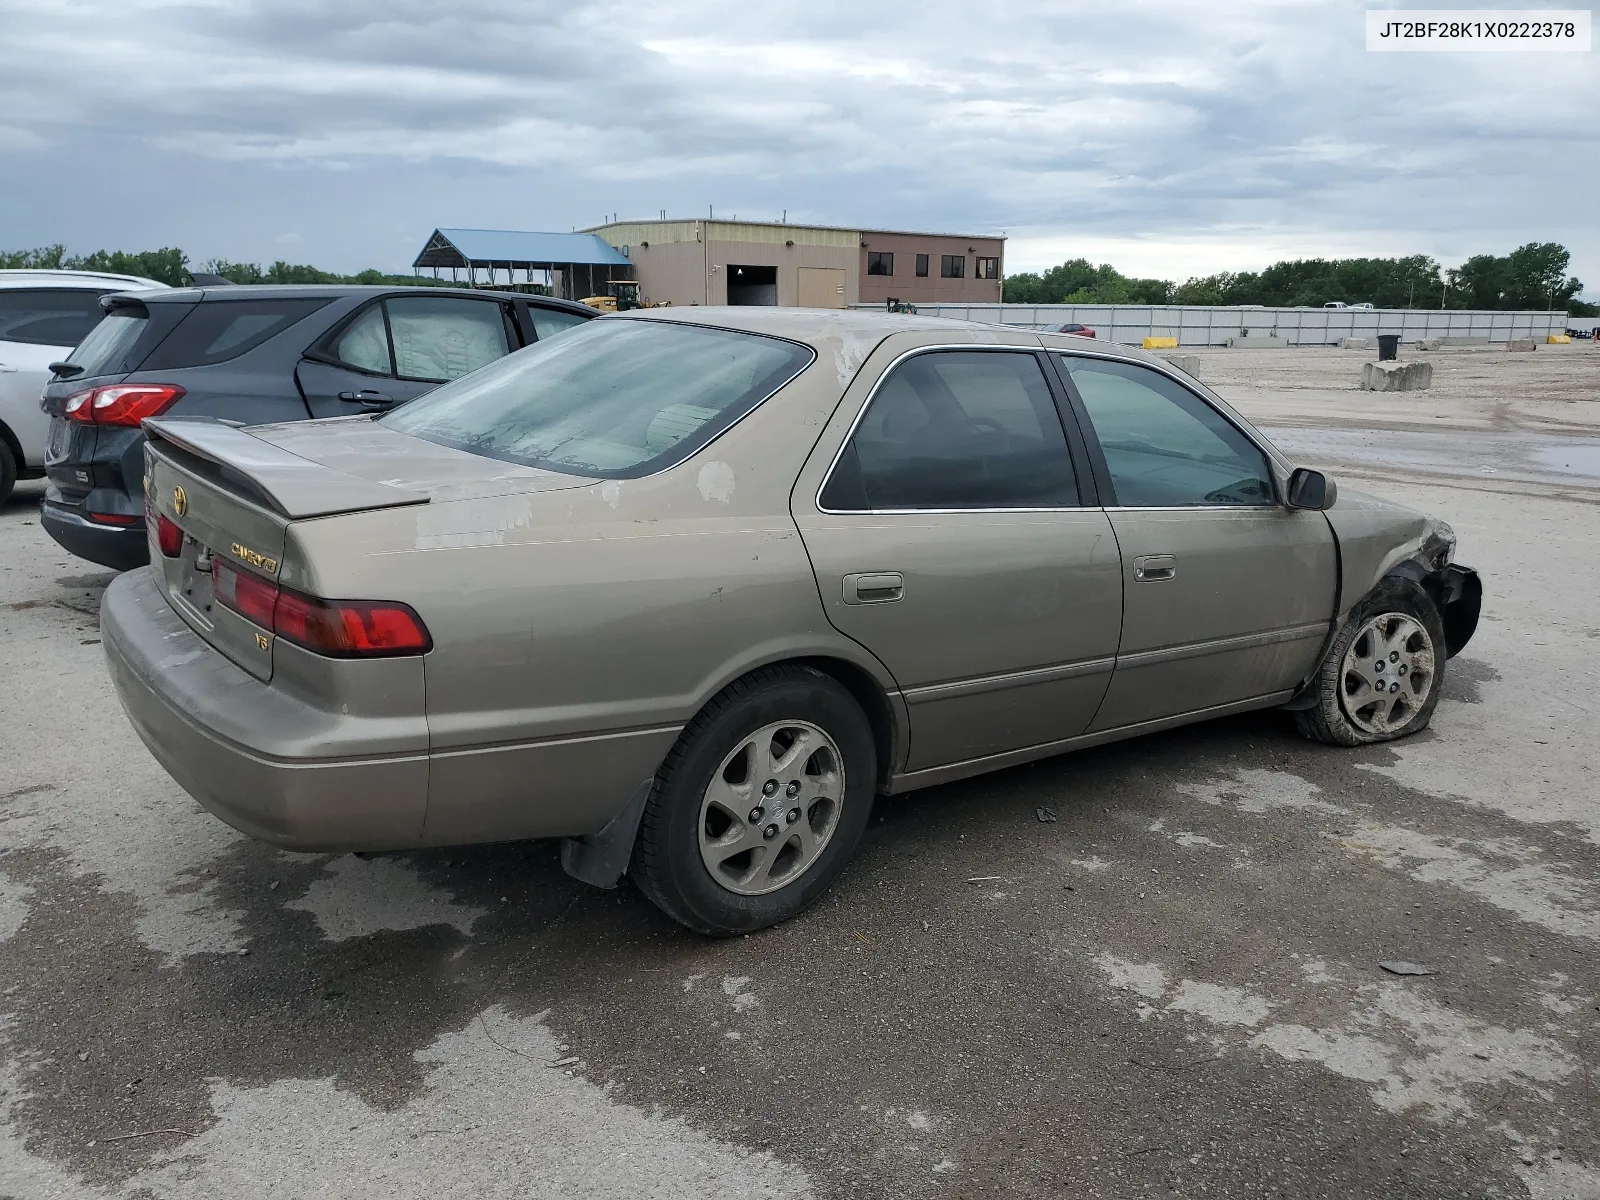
point(1173, 988)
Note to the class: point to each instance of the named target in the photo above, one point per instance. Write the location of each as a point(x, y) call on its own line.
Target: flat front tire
point(760, 803)
point(1381, 677)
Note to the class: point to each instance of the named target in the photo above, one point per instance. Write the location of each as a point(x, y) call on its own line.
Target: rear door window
point(109, 347)
point(957, 430)
point(440, 338)
point(219, 330)
point(48, 316)
point(547, 322)
point(364, 343)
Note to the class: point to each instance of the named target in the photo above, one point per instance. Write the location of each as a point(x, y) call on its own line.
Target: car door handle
point(1154, 568)
point(7, 369)
point(369, 398)
point(882, 587)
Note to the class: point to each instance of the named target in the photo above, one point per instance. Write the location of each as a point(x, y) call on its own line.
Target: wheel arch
point(13, 445)
point(1454, 591)
point(855, 668)
point(601, 859)
point(888, 733)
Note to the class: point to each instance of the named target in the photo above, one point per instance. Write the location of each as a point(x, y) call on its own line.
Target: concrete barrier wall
point(1204, 326)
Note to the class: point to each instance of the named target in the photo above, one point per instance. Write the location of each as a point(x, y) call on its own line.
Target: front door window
point(1163, 445)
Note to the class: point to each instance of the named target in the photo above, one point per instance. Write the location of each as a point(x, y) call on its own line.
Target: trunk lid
point(359, 446)
point(233, 495)
point(234, 492)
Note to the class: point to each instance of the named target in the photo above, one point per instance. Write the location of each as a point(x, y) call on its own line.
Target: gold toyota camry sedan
point(689, 588)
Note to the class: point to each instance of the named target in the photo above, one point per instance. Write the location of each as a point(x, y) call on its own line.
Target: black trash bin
point(1388, 347)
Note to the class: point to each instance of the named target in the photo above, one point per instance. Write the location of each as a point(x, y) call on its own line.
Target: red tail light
point(336, 628)
point(122, 403)
point(168, 536)
point(248, 595)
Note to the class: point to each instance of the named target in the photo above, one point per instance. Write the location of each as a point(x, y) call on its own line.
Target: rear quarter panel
point(577, 631)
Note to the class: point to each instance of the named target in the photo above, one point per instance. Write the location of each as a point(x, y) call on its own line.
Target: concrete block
point(1189, 363)
point(1522, 344)
point(1396, 376)
point(1428, 343)
point(1161, 343)
point(1558, 339)
point(1355, 343)
point(1257, 341)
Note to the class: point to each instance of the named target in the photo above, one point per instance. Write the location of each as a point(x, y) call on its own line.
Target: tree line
point(1533, 276)
point(171, 266)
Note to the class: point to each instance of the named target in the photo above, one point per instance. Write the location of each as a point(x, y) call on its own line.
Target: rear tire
point(1381, 677)
point(760, 803)
point(8, 471)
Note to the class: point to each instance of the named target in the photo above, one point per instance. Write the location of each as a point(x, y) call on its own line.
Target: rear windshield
point(219, 330)
point(614, 399)
point(106, 349)
point(46, 317)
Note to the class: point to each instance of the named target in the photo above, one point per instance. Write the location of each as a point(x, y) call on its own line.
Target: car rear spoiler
point(297, 488)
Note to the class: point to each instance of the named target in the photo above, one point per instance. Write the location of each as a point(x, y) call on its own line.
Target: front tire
point(760, 803)
point(1381, 677)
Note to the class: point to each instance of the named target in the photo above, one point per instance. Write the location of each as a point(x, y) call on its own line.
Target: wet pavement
point(1517, 456)
point(1172, 988)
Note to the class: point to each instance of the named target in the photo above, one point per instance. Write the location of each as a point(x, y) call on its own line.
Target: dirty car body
point(485, 618)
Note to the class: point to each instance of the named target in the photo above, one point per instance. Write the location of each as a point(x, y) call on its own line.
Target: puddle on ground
point(1523, 457)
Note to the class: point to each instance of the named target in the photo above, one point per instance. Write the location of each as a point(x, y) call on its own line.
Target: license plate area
point(60, 436)
point(191, 582)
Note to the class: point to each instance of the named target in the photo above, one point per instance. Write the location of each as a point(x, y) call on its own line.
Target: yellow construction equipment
point(617, 295)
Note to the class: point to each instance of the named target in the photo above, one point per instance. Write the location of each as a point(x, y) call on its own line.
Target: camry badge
point(180, 501)
point(254, 558)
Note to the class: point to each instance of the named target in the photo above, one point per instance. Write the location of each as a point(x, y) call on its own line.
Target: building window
point(879, 263)
point(987, 268)
point(922, 266)
point(952, 266)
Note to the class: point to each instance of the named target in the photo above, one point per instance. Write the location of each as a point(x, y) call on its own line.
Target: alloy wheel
point(771, 807)
point(1386, 673)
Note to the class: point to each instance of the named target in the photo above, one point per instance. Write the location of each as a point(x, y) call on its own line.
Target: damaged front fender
point(1457, 593)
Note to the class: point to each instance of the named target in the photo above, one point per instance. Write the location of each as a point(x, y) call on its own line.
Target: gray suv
point(254, 356)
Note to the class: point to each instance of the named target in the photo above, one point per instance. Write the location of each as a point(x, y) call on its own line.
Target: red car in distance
point(1076, 330)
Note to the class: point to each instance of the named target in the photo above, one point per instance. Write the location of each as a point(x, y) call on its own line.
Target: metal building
point(570, 265)
point(809, 266)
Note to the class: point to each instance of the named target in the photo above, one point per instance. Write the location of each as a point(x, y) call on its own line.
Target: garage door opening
point(752, 285)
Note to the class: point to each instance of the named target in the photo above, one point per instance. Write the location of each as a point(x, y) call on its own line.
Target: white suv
point(43, 315)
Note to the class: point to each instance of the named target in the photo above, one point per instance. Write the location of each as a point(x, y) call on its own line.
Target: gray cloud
point(1165, 135)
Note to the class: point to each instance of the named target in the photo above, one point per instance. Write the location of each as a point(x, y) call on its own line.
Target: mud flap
point(601, 859)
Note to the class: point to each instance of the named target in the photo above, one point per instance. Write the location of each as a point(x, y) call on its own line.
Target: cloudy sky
point(1170, 137)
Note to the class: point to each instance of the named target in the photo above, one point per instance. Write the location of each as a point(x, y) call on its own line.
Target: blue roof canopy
point(510, 247)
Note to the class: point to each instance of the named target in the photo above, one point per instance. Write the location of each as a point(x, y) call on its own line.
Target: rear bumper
point(205, 719)
point(121, 547)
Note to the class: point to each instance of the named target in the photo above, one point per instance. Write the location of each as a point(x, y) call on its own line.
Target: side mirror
point(1312, 489)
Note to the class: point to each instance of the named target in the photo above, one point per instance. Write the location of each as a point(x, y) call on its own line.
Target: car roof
point(812, 325)
point(13, 277)
point(323, 291)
